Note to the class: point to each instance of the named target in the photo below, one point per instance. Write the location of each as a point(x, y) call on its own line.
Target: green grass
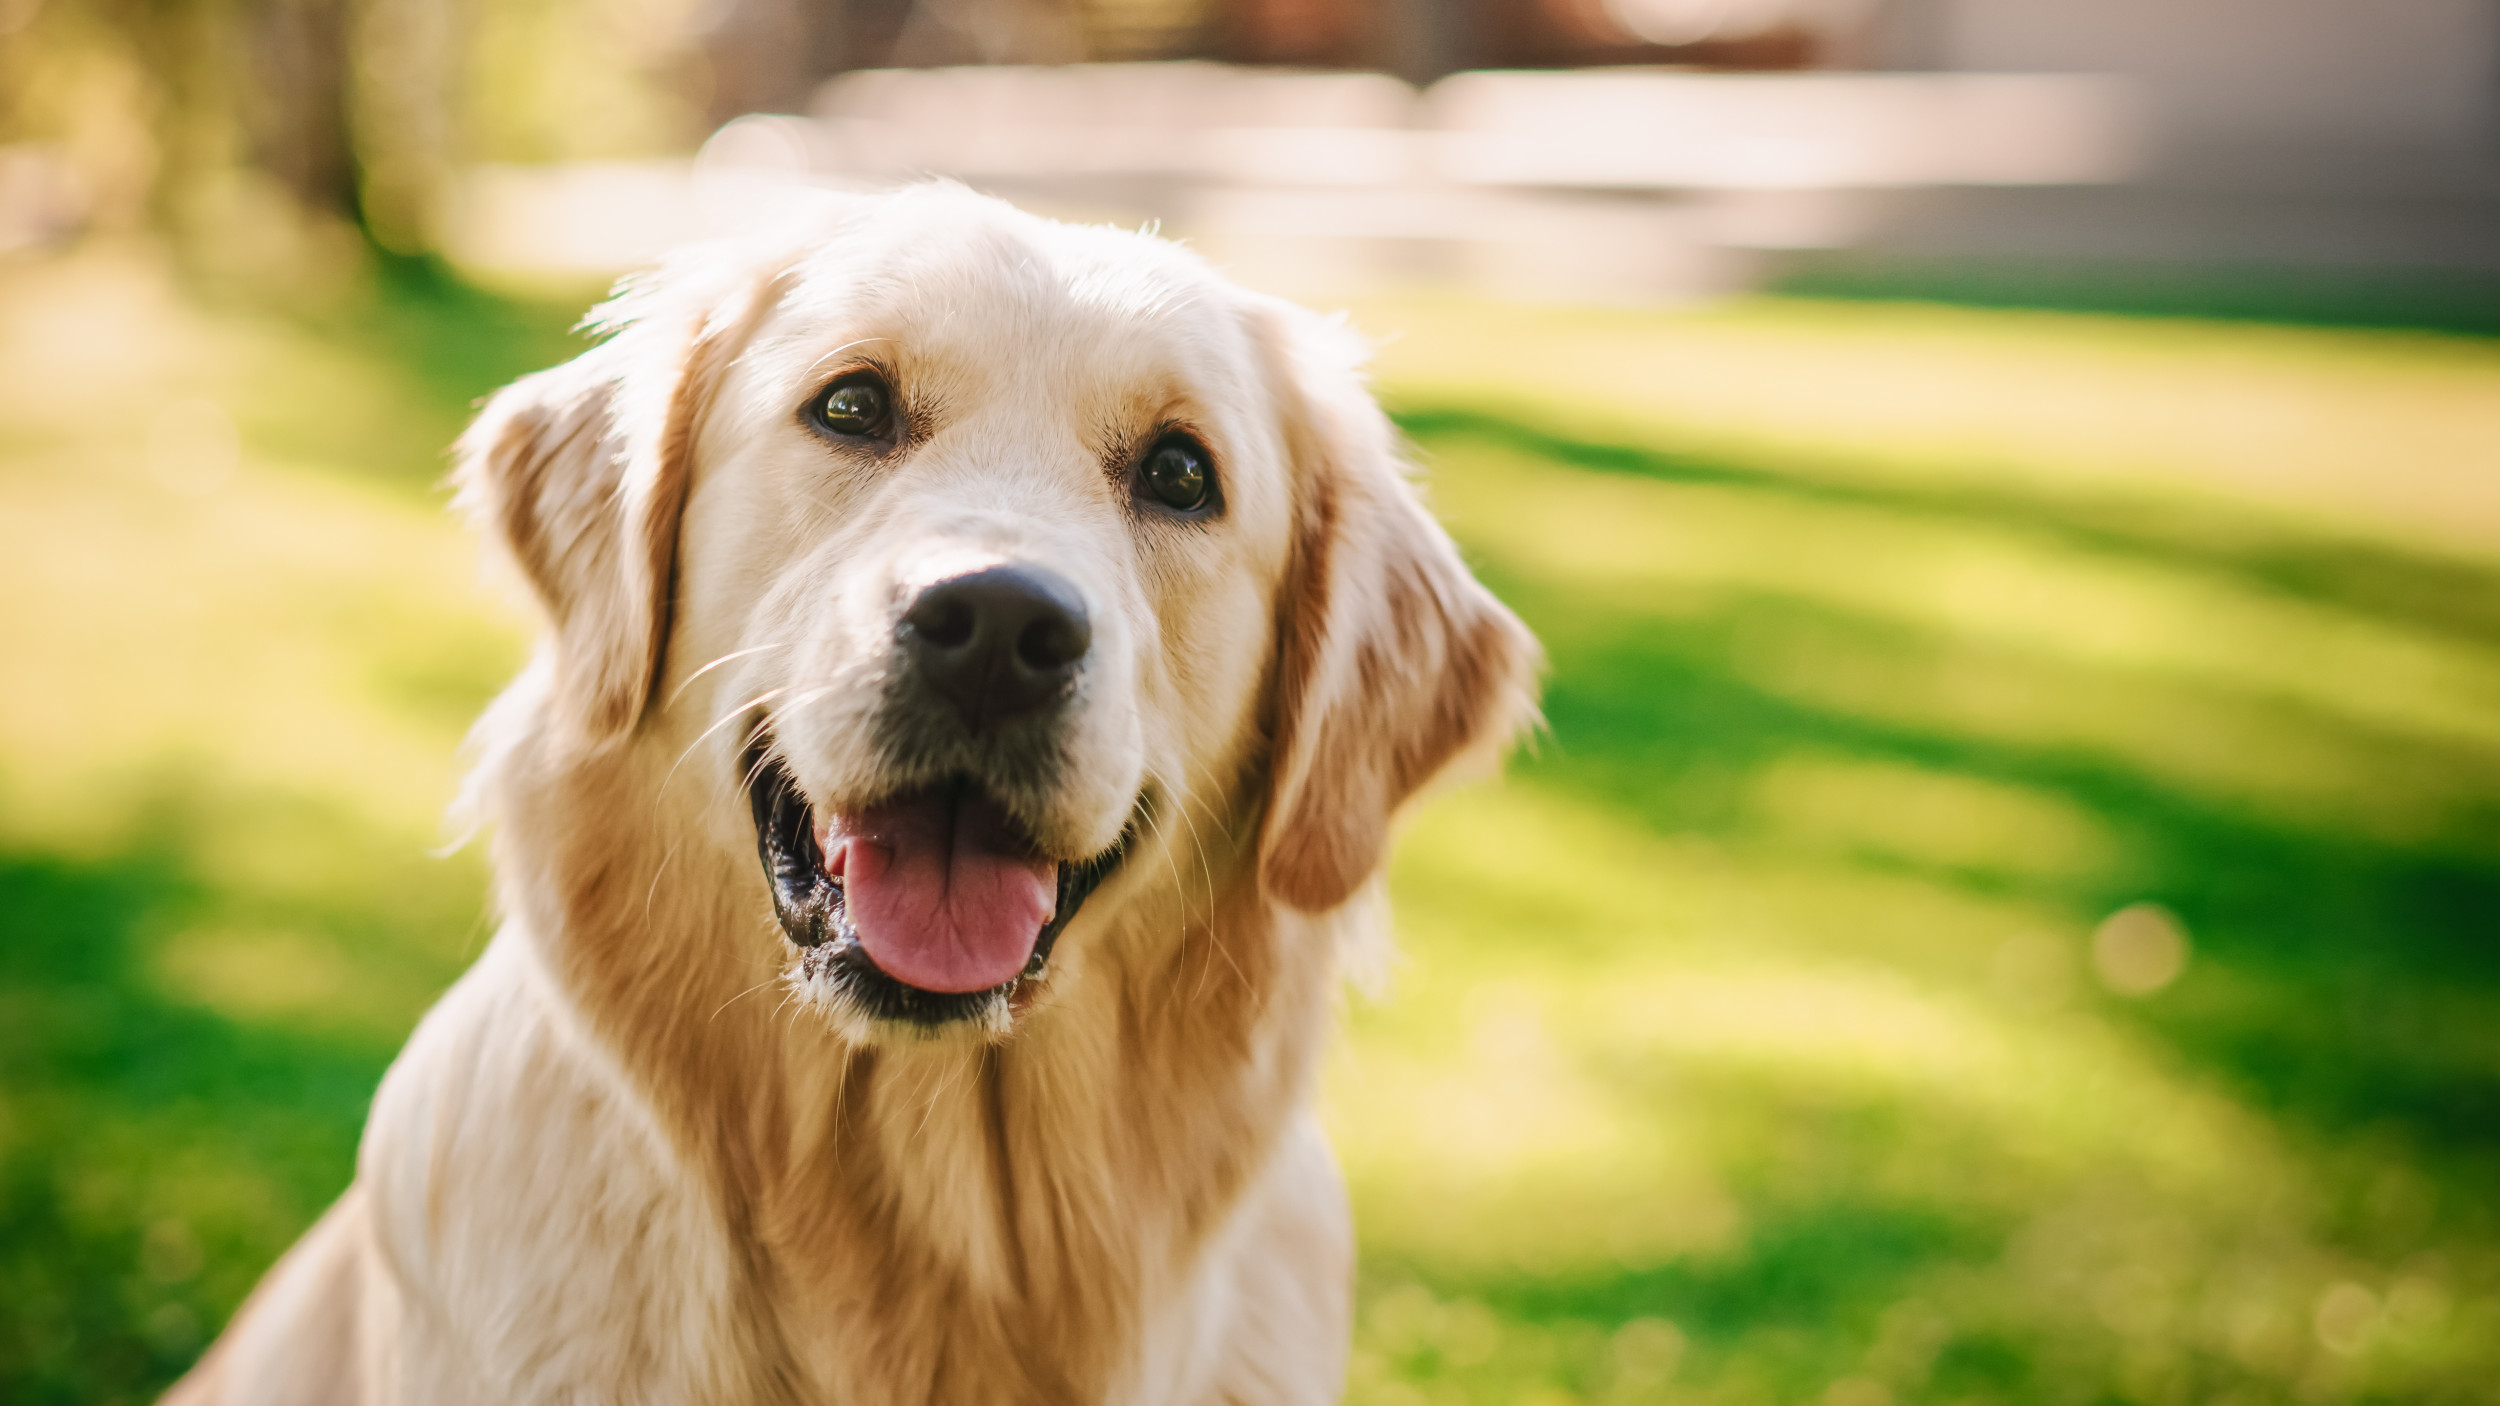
point(1752, 1041)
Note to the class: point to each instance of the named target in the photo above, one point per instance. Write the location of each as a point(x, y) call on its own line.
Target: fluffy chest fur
point(1127, 1202)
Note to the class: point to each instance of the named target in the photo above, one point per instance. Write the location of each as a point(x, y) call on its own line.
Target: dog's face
point(989, 518)
point(979, 560)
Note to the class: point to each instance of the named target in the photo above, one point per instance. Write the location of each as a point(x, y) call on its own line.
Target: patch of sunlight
point(180, 599)
point(97, 334)
point(1545, 1167)
point(2396, 435)
point(286, 978)
point(309, 855)
point(1635, 1084)
point(96, 345)
point(1627, 537)
point(1929, 817)
point(1530, 879)
point(2070, 1094)
point(239, 632)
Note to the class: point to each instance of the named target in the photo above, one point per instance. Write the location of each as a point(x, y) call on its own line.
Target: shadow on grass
point(155, 1155)
point(1815, 1290)
point(2440, 300)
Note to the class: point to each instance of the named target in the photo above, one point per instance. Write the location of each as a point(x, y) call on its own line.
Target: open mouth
point(931, 906)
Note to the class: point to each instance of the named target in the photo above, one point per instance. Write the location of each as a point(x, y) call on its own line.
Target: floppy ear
point(1391, 660)
point(580, 473)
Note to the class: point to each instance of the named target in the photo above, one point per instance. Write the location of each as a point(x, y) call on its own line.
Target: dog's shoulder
point(528, 1206)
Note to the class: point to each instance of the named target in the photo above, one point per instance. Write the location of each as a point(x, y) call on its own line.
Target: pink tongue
point(943, 894)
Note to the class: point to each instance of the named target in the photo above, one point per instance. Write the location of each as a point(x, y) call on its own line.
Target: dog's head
point(977, 561)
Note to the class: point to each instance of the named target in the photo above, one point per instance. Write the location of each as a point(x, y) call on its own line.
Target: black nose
point(997, 643)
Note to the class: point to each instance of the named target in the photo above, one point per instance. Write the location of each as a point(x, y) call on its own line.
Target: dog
point(982, 661)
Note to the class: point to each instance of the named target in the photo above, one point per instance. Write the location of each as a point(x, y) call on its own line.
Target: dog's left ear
point(1391, 660)
point(579, 473)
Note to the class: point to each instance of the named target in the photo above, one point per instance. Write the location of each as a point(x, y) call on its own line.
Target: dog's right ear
point(579, 473)
point(546, 472)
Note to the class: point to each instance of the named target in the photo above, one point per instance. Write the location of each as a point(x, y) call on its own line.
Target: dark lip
point(808, 904)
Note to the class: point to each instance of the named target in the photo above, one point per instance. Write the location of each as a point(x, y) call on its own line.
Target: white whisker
point(653, 893)
point(744, 994)
point(928, 1109)
point(1172, 864)
point(1206, 872)
point(724, 720)
point(681, 688)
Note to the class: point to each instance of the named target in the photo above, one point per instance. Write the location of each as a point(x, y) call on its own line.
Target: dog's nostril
point(1053, 642)
point(997, 643)
point(942, 618)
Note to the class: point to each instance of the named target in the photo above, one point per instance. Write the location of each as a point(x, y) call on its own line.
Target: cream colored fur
point(633, 1155)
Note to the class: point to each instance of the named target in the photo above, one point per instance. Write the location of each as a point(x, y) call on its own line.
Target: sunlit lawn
point(1766, 1037)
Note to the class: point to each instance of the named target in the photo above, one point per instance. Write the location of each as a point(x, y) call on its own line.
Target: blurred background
point(2008, 909)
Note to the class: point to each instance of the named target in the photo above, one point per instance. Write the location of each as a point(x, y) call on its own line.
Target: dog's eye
point(857, 406)
point(1176, 473)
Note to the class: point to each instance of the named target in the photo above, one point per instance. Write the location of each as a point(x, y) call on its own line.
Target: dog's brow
point(846, 346)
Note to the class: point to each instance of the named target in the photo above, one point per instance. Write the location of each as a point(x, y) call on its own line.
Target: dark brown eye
point(1176, 474)
point(858, 406)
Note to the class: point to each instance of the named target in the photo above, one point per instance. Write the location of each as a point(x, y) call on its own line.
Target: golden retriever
point(983, 657)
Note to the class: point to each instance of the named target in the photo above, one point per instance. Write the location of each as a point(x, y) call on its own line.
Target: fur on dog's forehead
point(1106, 326)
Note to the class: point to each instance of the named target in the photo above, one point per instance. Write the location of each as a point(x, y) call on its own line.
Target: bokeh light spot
point(2139, 949)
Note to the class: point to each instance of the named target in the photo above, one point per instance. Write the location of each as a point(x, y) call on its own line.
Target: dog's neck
point(941, 1218)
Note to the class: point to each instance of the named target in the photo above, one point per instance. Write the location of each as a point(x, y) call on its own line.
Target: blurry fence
point(1610, 186)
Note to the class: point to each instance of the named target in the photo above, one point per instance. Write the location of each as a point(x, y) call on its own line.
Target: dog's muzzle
point(934, 904)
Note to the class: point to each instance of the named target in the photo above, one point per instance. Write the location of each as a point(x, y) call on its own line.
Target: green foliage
point(2004, 910)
